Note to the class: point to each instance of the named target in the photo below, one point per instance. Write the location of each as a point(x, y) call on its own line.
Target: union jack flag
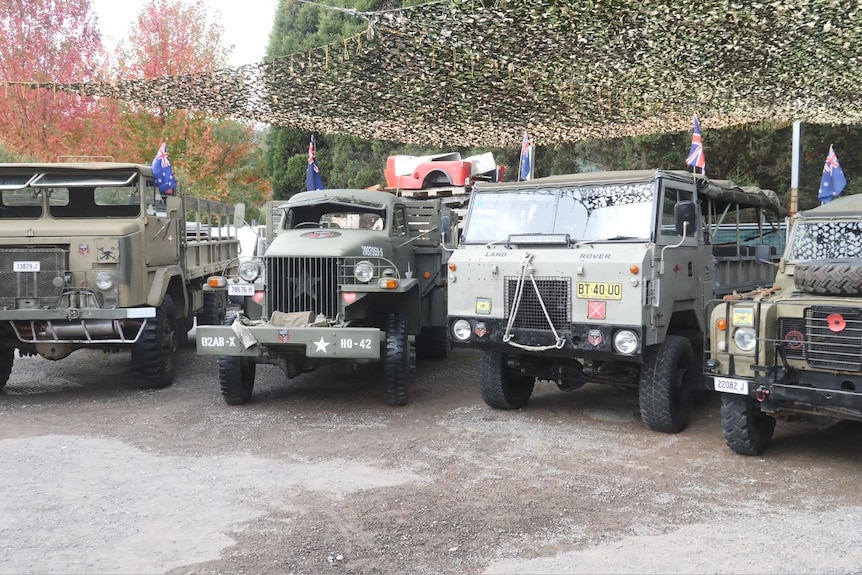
point(695, 158)
point(313, 179)
point(527, 157)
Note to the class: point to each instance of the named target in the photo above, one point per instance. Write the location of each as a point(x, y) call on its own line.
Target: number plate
point(26, 266)
point(600, 290)
point(730, 385)
point(240, 289)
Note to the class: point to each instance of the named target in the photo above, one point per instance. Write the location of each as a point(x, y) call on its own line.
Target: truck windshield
point(585, 213)
point(826, 240)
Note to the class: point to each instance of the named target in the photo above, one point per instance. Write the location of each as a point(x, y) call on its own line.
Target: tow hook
point(761, 393)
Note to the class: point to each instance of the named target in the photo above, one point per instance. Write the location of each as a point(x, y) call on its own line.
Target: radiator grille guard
point(557, 296)
point(36, 287)
point(53, 286)
point(826, 338)
point(298, 284)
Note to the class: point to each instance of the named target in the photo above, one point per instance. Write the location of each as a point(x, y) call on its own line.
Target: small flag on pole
point(313, 179)
point(163, 173)
point(695, 158)
point(527, 156)
point(833, 180)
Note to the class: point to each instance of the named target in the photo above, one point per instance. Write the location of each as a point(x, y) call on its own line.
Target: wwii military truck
point(93, 256)
point(599, 278)
point(349, 276)
point(795, 352)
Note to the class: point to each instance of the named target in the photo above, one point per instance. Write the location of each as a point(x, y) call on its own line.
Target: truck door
point(680, 283)
point(163, 228)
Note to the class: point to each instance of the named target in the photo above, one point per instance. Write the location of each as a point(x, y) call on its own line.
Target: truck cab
point(599, 278)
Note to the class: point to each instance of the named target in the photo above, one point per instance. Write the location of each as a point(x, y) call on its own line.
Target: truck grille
point(303, 284)
point(38, 287)
point(556, 295)
point(822, 347)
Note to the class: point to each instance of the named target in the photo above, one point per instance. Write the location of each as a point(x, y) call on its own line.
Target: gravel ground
point(317, 475)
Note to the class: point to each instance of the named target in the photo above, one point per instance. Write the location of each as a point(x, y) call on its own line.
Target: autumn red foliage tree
point(173, 38)
point(50, 41)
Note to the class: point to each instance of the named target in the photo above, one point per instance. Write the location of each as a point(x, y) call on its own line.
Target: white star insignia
point(321, 345)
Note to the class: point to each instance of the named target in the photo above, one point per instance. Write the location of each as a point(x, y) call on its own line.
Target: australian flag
point(527, 156)
point(313, 179)
point(695, 158)
point(833, 180)
point(163, 173)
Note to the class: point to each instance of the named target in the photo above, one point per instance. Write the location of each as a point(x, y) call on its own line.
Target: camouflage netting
point(458, 73)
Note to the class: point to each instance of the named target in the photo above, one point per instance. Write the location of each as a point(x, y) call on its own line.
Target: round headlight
point(461, 330)
point(363, 271)
point(626, 342)
point(106, 280)
point(249, 271)
point(745, 338)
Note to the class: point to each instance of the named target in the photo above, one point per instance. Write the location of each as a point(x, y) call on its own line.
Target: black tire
point(154, 354)
point(433, 343)
point(184, 325)
point(829, 277)
point(499, 386)
point(667, 383)
point(396, 363)
point(747, 430)
point(7, 358)
point(236, 378)
point(215, 306)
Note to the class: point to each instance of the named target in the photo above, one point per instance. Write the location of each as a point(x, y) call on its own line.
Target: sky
point(246, 23)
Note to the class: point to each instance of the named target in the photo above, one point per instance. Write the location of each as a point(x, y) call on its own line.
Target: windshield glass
point(585, 213)
point(826, 240)
point(337, 216)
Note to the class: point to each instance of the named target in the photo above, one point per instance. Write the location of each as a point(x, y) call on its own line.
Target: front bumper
point(591, 341)
point(313, 342)
point(833, 395)
point(78, 325)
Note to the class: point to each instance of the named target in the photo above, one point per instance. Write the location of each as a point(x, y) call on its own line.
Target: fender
point(160, 279)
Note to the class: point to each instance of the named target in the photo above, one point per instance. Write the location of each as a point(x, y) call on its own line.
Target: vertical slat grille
point(556, 295)
point(303, 284)
point(834, 338)
point(791, 335)
point(38, 286)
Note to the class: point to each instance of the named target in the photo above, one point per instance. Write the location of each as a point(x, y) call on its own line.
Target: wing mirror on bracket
point(685, 217)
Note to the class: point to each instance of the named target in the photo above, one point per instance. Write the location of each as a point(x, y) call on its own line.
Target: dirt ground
point(317, 475)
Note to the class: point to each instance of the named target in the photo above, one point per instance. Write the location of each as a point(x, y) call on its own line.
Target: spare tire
point(830, 277)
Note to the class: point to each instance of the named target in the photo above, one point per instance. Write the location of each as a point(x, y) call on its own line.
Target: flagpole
point(794, 170)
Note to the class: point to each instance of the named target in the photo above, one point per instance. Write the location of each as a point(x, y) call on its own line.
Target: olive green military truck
point(795, 352)
point(350, 277)
point(601, 278)
point(92, 256)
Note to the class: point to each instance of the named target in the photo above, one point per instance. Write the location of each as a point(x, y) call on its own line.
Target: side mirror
point(762, 253)
point(685, 218)
point(239, 215)
point(173, 207)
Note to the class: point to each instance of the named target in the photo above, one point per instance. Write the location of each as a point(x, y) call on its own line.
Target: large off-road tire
point(7, 358)
point(433, 343)
point(499, 386)
point(829, 277)
point(215, 306)
point(236, 378)
point(184, 326)
point(667, 380)
point(236, 375)
point(747, 430)
point(154, 354)
point(396, 362)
